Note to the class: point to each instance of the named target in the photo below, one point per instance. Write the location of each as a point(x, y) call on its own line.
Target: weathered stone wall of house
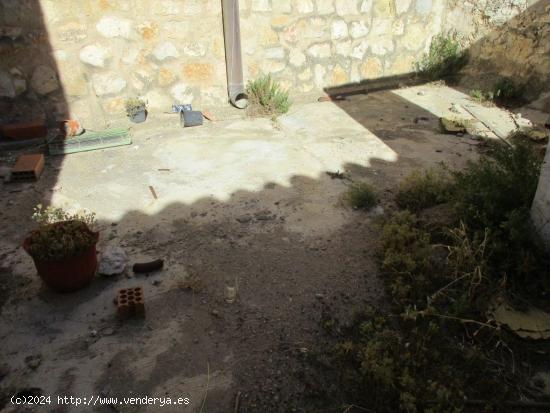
point(86, 57)
point(507, 38)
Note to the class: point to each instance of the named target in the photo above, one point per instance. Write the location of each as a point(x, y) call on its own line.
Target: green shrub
point(267, 97)
point(445, 58)
point(483, 97)
point(424, 189)
point(361, 196)
point(492, 187)
point(507, 91)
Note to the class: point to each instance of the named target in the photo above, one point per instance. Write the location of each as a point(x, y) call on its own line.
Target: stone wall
point(506, 38)
point(86, 57)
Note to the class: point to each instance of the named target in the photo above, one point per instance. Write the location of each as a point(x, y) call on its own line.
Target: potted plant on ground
point(136, 109)
point(63, 248)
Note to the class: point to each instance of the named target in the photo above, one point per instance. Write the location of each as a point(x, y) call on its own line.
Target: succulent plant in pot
point(63, 248)
point(136, 109)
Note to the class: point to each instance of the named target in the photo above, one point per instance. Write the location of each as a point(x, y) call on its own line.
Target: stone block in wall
point(402, 6)
point(304, 6)
point(358, 29)
point(296, 57)
point(424, 7)
point(165, 50)
point(325, 6)
point(44, 80)
point(338, 30)
point(109, 83)
point(371, 68)
point(94, 55)
point(113, 26)
point(12, 83)
point(319, 51)
point(346, 7)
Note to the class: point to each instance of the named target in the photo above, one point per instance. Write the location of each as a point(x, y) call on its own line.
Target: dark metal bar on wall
point(233, 55)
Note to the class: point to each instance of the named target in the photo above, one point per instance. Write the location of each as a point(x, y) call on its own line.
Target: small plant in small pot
point(63, 248)
point(136, 109)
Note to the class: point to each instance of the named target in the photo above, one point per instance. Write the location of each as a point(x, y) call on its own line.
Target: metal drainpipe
point(233, 57)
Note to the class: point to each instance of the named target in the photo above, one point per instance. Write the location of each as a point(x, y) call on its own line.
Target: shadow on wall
point(33, 76)
point(518, 49)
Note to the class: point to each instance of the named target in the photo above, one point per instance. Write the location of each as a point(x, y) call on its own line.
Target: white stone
point(339, 30)
point(402, 6)
point(261, 5)
point(112, 26)
point(382, 46)
point(423, 6)
point(274, 53)
point(321, 50)
point(182, 93)
point(358, 29)
point(296, 57)
point(165, 50)
point(44, 80)
point(107, 83)
point(366, 6)
point(346, 7)
point(304, 6)
point(113, 261)
point(94, 55)
point(325, 6)
point(360, 50)
point(381, 27)
point(343, 48)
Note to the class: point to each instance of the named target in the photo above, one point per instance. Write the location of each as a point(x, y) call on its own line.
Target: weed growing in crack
point(267, 97)
point(444, 59)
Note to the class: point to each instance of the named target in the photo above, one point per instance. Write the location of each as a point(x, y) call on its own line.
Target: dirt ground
point(264, 215)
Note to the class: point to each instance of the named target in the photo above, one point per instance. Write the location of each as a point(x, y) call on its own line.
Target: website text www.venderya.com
point(95, 400)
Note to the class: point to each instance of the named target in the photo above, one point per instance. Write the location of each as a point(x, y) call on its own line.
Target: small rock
point(156, 283)
point(215, 313)
point(421, 93)
point(319, 296)
point(452, 126)
point(243, 219)
point(113, 261)
point(33, 361)
point(93, 333)
point(264, 215)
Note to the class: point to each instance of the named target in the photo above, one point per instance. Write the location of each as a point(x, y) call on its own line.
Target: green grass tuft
point(267, 97)
point(361, 196)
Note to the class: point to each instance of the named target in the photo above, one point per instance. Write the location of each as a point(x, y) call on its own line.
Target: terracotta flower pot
point(67, 274)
